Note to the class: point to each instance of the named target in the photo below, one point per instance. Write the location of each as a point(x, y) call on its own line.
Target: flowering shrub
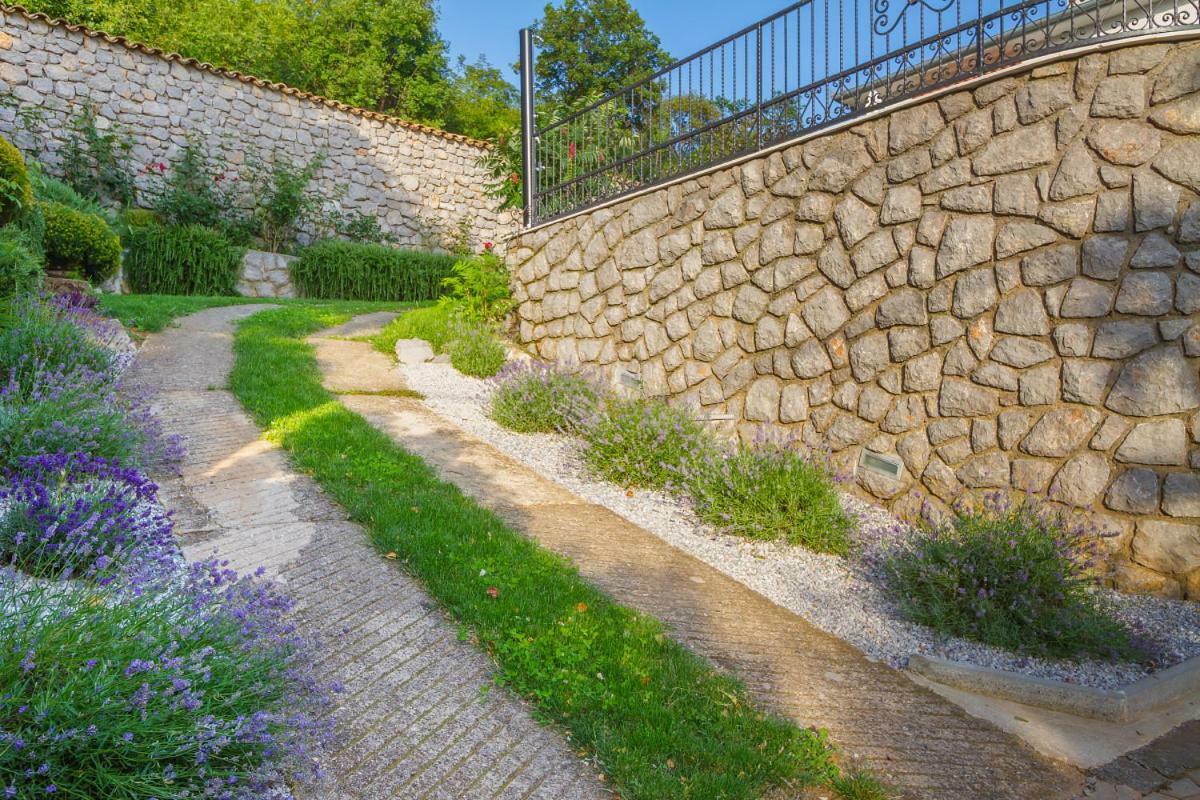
point(53, 334)
point(72, 515)
point(535, 397)
point(772, 491)
point(645, 443)
point(58, 390)
point(1015, 576)
point(165, 685)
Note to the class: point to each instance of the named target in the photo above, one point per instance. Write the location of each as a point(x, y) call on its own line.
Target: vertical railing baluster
point(758, 120)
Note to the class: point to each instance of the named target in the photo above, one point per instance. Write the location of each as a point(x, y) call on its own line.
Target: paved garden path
point(919, 742)
point(413, 721)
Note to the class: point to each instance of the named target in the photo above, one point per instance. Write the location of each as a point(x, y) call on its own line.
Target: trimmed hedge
point(77, 240)
point(181, 260)
point(341, 270)
point(16, 192)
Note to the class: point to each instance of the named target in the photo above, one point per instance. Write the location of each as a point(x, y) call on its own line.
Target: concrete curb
point(1115, 705)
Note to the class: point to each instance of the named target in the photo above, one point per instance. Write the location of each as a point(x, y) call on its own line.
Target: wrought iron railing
point(812, 65)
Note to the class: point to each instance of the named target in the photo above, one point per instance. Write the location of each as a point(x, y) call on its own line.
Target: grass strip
point(661, 721)
point(151, 313)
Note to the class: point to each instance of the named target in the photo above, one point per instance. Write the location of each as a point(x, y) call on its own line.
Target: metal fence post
point(528, 124)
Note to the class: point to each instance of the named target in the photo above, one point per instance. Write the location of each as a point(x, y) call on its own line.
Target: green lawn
point(150, 313)
point(662, 722)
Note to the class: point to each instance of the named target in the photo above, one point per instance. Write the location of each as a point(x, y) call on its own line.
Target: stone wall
point(416, 180)
point(999, 287)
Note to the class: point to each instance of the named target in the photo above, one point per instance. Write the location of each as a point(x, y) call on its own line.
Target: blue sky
point(490, 27)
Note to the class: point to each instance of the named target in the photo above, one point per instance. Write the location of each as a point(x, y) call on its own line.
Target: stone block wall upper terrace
point(1000, 287)
point(416, 180)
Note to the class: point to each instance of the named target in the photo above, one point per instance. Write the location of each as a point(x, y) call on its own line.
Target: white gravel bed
point(835, 594)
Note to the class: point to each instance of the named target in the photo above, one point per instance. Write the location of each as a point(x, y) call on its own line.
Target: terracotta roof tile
point(283, 88)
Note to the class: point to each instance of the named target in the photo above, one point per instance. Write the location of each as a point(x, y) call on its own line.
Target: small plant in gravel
point(475, 350)
point(76, 516)
point(646, 443)
point(772, 490)
point(165, 684)
point(1014, 575)
point(536, 397)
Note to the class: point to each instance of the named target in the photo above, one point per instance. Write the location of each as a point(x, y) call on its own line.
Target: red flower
point(488, 246)
point(571, 151)
point(515, 178)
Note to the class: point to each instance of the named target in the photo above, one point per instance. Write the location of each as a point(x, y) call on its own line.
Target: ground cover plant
point(475, 351)
point(125, 672)
point(662, 723)
point(1015, 575)
point(536, 397)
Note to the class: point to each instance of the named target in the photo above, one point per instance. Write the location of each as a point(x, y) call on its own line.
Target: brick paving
point(917, 741)
point(413, 721)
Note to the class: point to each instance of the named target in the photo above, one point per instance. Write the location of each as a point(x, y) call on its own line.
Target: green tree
point(483, 104)
point(593, 47)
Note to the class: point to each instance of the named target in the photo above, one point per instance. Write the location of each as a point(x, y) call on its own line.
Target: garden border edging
point(1116, 705)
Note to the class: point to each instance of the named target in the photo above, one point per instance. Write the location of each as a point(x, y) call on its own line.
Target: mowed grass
point(151, 313)
point(661, 722)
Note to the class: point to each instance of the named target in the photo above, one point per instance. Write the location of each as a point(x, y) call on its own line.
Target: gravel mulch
point(841, 596)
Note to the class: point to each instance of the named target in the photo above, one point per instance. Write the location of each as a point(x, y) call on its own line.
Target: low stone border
point(1117, 705)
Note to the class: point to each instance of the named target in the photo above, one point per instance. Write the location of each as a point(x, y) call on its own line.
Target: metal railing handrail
point(672, 66)
point(654, 126)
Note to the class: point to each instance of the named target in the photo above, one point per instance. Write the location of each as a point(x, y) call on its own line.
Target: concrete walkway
point(413, 721)
point(919, 742)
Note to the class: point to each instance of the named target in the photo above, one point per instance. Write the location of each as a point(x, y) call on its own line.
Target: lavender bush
point(772, 490)
point(164, 685)
point(646, 443)
point(75, 516)
point(46, 409)
point(60, 334)
point(536, 397)
point(1018, 576)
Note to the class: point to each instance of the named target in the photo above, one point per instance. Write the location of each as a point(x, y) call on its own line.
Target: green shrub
point(181, 260)
point(79, 241)
point(772, 491)
point(433, 324)
point(475, 351)
point(478, 288)
point(1014, 576)
point(16, 192)
point(52, 190)
point(355, 271)
point(20, 265)
point(646, 443)
point(534, 397)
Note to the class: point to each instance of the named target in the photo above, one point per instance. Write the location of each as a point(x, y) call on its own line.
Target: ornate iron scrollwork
point(885, 24)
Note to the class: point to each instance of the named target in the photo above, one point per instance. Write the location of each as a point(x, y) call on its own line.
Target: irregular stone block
point(1121, 96)
point(1053, 265)
point(1124, 338)
point(1148, 294)
point(960, 398)
point(1017, 151)
point(1168, 547)
point(1060, 432)
point(1155, 201)
point(1179, 163)
point(1162, 443)
point(967, 241)
point(1128, 143)
point(1081, 480)
point(1086, 298)
point(825, 312)
point(1181, 495)
point(913, 126)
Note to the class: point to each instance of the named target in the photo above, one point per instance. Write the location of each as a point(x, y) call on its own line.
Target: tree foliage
point(593, 47)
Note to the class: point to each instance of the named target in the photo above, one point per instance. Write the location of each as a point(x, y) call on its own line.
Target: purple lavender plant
point(1016, 575)
point(536, 397)
point(71, 515)
point(169, 683)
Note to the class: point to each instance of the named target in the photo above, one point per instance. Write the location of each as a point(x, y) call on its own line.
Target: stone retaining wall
point(419, 182)
point(999, 288)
